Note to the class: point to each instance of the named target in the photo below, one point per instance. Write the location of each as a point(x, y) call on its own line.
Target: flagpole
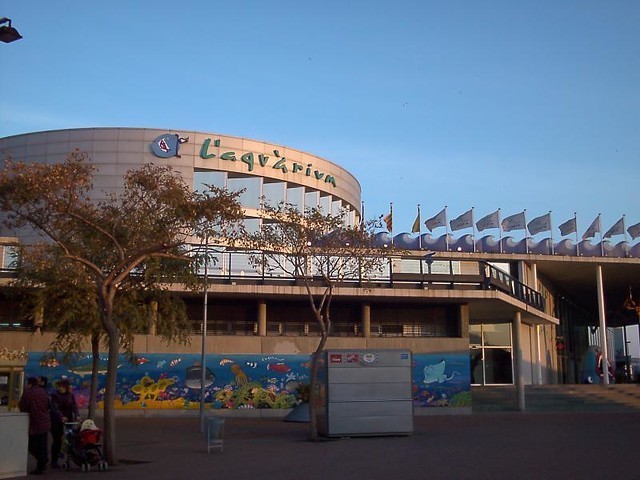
point(473, 231)
point(391, 218)
point(526, 232)
point(419, 230)
point(500, 230)
point(446, 227)
point(551, 227)
point(626, 244)
point(575, 220)
point(601, 239)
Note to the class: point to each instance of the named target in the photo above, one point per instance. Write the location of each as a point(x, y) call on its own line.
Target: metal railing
point(236, 267)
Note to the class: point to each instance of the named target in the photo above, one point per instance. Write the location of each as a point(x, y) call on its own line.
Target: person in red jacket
point(35, 402)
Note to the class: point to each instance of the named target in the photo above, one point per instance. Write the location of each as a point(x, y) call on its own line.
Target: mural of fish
point(278, 367)
point(241, 377)
point(193, 377)
point(85, 369)
point(433, 382)
point(50, 363)
point(435, 373)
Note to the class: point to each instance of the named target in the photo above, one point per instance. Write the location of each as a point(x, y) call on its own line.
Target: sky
point(529, 104)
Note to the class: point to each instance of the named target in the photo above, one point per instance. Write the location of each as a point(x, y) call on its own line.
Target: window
point(295, 196)
point(274, 193)
point(418, 321)
point(250, 198)
point(203, 178)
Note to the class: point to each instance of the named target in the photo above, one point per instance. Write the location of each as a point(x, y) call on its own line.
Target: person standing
point(35, 402)
point(63, 409)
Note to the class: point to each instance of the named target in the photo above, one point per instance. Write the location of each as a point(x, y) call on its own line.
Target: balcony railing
point(236, 267)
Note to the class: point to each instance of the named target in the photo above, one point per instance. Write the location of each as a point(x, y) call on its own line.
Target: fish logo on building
point(167, 145)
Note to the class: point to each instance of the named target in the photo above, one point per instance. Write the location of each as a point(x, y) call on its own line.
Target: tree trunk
point(113, 336)
point(95, 364)
point(313, 396)
point(109, 400)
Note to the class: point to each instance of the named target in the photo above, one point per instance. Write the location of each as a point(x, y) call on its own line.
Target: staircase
point(559, 398)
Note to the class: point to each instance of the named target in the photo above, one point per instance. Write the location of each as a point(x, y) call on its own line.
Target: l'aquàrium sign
point(168, 145)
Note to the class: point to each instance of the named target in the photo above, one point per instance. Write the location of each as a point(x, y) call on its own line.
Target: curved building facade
point(469, 315)
point(264, 170)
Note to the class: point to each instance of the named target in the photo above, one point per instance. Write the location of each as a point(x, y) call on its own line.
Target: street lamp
point(203, 360)
point(8, 34)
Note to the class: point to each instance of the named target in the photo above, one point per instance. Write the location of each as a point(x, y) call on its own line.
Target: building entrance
point(491, 354)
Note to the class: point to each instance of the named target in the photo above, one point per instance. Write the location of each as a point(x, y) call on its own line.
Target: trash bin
point(214, 432)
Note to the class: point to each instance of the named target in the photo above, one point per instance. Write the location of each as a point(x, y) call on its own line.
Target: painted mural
point(171, 381)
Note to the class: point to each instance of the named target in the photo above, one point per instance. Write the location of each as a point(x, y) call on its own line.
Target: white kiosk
point(365, 392)
point(14, 426)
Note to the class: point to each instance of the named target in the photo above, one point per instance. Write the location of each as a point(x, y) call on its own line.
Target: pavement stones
point(501, 445)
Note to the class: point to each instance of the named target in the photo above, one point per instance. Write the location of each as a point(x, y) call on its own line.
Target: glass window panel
point(336, 206)
point(250, 198)
point(475, 334)
point(311, 199)
point(325, 204)
point(252, 225)
point(501, 266)
point(498, 366)
point(274, 193)
point(241, 265)
point(216, 179)
point(295, 196)
point(10, 257)
point(497, 335)
point(477, 367)
point(352, 217)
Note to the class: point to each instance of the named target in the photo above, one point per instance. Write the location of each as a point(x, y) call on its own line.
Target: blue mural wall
point(171, 381)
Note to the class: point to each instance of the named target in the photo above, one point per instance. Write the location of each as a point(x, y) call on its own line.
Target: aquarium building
point(470, 314)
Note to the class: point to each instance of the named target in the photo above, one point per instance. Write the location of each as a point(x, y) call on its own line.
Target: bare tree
point(320, 250)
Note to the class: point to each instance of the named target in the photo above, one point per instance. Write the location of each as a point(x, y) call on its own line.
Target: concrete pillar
point(517, 360)
point(464, 321)
point(262, 318)
point(536, 340)
point(366, 320)
point(603, 327)
point(538, 353)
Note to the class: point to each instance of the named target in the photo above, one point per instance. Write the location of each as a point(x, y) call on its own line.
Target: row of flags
point(515, 222)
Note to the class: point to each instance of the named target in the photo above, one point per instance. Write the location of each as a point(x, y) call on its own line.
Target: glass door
point(491, 354)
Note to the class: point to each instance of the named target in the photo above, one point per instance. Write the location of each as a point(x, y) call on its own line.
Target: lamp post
point(203, 360)
point(8, 34)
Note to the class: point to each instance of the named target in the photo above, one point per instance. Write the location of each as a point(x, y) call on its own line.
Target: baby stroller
point(82, 445)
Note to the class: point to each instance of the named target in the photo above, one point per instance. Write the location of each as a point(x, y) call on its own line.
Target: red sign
point(336, 358)
point(352, 358)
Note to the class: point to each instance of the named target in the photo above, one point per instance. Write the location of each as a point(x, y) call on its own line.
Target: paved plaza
point(506, 445)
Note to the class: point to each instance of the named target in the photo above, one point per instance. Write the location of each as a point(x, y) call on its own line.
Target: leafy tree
point(117, 240)
point(320, 250)
point(62, 292)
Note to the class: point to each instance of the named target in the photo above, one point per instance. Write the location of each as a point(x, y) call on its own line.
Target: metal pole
point(626, 355)
point(603, 327)
point(203, 359)
point(534, 272)
point(517, 346)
